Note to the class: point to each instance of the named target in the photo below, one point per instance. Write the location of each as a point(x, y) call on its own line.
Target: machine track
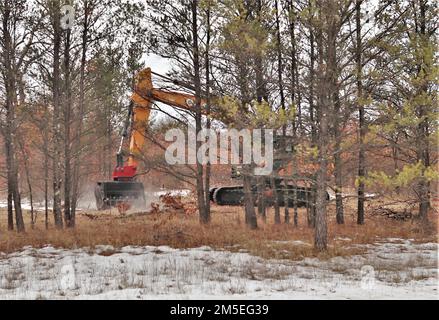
point(234, 196)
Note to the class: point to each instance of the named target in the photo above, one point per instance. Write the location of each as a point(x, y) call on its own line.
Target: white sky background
point(162, 66)
point(156, 63)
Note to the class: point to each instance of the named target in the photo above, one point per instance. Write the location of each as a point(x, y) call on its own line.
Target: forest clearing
point(227, 231)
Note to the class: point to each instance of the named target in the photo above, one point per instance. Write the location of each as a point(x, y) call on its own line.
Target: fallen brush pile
point(174, 203)
point(401, 215)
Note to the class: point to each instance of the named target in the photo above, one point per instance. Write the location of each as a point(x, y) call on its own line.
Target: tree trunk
point(10, 210)
point(276, 198)
point(46, 176)
point(13, 187)
point(261, 96)
point(10, 196)
point(423, 131)
point(56, 123)
point(262, 207)
point(108, 147)
point(336, 115)
point(284, 194)
point(308, 206)
point(17, 204)
point(250, 213)
point(29, 184)
point(277, 218)
point(338, 173)
point(201, 196)
point(208, 109)
point(296, 210)
point(312, 84)
point(11, 127)
point(67, 132)
point(321, 236)
point(286, 203)
point(78, 133)
point(361, 118)
point(312, 115)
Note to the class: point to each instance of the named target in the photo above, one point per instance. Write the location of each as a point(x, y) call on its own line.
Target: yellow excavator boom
point(143, 97)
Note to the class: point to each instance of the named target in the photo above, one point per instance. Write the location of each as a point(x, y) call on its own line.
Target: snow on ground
point(349, 195)
point(88, 202)
point(38, 206)
point(173, 193)
point(25, 205)
point(396, 269)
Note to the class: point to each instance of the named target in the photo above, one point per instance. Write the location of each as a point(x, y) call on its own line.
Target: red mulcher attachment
point(120, 194)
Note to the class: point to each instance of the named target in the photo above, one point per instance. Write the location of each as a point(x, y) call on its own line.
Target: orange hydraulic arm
point(142, 98)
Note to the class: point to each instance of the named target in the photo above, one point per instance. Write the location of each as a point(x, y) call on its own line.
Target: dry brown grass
point(227, 231)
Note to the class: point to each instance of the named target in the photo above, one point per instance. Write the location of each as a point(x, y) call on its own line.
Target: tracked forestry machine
point(125, 192)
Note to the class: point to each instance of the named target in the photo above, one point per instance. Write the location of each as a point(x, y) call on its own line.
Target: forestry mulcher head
point(120, 194)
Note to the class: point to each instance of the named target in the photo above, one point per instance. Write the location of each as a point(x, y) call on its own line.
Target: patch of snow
point(386, 271)
point(343, 239)
point(349, 195)
point(173, 193)
point(38, 206)
point(294, 243)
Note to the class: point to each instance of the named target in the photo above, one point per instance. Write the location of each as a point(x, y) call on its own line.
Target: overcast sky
point(156, 63)
point(162, 66)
